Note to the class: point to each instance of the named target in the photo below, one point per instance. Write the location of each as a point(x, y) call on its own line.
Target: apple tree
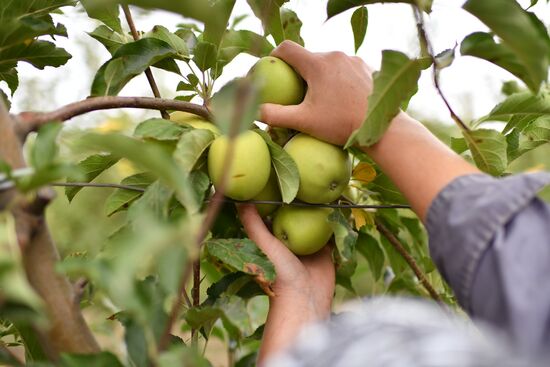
point(175, 280)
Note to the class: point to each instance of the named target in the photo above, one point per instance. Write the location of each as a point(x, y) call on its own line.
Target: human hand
point(304, 287)
point(336, 100)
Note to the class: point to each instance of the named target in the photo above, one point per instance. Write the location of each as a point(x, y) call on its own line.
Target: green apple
point(270, 192)
point(278, 82)
point(195, 121)
point(324, 169)
point(249, 169)
point(304, 230)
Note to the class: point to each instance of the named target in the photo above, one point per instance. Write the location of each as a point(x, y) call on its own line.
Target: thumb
point(292, 117)
point(256, 230)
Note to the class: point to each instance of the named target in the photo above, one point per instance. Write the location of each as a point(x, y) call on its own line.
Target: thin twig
point(426, 41)
point(228, 200)
point(99, 185)
point(409, 259)
point(336, 206)
point(148, 72)
point(31, 121)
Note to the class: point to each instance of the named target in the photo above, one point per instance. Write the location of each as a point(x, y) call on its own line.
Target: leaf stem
point(148, 72)
point(424, 40)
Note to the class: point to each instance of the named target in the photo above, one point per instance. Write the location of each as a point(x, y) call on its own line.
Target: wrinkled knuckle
point(338, 55)
point(285, 45)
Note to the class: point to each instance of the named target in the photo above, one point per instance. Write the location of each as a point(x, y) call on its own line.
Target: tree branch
point(67, 330)
point(425, 41)
point(31, 121)
point(148, 72)
point(409, 259)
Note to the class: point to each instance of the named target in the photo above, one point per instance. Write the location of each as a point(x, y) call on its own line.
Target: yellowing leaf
point(364, 172)
point(361, 218)
point(358, 217)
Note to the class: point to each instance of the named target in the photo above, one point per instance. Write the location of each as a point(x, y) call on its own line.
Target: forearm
point(417, 162)
point(286, 319)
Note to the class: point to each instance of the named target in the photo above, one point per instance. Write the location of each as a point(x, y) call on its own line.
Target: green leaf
point(236, 42)
point(90, 167)
point(205, 55)
point(120, 199)
point(175, 355)
point(519, 110)
point(243, 255)
point(369, 247)
point(151, 158)
point(192, 145)
point(4, 99)
point(200, 182)
point(37, 53)
point(214, 14)
point(395, 83)
point(285, 167)
point(483, 46)
point(459, 145)
point(162, 33)
point(510, 87)
point(45, 148)
point(129, 61)
point(215, 26)
point(534, 135)
point(292, 26)
point(203, 317)
point(268, 11)
point(240, 284)
point(488, 149)
point(106, 13)
point(521, 31)
point(404, 284)
point(395, 259)
point(109, 38)
point(138, 332)
point(90, 360)
point(236, 104)
point(346, 239)
point(159, 129)
point(24, 20)
point(11, 78)
point(335, 7)
point(387, 190)
point(34, 352)
point(359, 23)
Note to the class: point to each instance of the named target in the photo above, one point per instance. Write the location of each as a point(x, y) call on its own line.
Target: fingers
point(256, 230)
point(292, 117)
point(297, 56)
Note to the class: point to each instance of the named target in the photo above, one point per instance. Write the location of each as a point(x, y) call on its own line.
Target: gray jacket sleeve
point(490, 239)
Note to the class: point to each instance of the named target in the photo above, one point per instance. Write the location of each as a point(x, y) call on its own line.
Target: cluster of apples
point(324, 169)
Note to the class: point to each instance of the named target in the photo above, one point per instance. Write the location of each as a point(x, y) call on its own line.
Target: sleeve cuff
point(464, 217)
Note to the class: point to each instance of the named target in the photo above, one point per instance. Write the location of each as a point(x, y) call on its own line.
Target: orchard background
point(141, 267)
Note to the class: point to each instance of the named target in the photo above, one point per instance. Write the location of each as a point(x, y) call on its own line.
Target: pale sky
point(471, 85)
